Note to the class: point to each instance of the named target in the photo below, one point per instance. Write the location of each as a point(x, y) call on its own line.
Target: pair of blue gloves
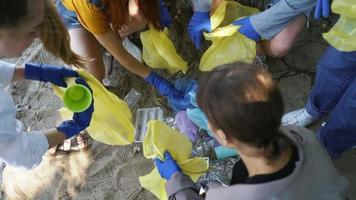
point(200, 21)
point(56, 75)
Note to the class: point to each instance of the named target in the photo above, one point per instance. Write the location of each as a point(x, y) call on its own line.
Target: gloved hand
point(165, 17)
point(179, 100)
point(168, 167)
point(80, 120)
point(200, 21)
point(322, 8)
point(247, 28)
point(49, 73)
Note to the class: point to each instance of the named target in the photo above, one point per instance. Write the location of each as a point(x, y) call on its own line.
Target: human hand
point(322, 8)
point(247, 29)
point(168, 167)
point(49, 73)
point(80, 121)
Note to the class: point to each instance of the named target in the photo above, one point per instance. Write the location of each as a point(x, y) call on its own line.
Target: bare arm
point(113, 44)
point(54, 137)
point(19, 73)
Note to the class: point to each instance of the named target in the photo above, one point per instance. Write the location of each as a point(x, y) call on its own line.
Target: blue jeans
point(334, 92)
point(69, 18)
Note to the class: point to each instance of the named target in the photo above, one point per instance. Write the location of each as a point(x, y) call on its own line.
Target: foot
point(298, 117)
point(75, 144)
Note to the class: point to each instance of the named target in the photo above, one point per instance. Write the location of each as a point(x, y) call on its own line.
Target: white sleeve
point(18, 148)
point(6, 73)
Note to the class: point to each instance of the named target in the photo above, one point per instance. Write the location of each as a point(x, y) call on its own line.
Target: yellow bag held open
point(228, 45)
point(111, 121)
point(342, 35)
point(159, 51)
point(160, 138)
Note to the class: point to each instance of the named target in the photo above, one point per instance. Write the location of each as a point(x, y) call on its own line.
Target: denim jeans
point(334, 92)
point(69, 18)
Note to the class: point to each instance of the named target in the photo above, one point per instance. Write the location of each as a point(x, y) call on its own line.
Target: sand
point(111, 172)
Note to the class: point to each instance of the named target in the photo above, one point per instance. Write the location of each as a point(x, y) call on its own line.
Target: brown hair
point(55, 37)
point(12, 12)
point(117, 11)
point(243, 101)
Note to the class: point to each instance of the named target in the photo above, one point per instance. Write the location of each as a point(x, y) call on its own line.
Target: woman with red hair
point(92, 23)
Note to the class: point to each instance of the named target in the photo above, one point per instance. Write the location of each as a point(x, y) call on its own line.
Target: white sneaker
point(298, 117)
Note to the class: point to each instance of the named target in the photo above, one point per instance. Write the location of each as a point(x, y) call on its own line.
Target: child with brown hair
point(244, 107)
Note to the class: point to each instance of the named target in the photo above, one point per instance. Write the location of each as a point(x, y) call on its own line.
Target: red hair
point(117, 11)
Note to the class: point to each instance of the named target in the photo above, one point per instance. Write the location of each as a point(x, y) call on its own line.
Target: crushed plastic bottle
point(132, 98)
point(143, 116)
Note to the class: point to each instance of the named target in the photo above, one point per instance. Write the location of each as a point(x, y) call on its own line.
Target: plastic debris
point(143, 116)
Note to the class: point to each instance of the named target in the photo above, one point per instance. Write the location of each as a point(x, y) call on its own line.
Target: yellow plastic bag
point(160, 138)
point(159, 51)
point(342, 35)
point(346, 8)
point(111, 120)
point(228, 45)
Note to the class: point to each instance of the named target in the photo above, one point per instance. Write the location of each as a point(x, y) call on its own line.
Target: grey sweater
point(273, 20)
point(314, 177)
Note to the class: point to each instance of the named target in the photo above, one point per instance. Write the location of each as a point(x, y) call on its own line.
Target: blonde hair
point(55, 37)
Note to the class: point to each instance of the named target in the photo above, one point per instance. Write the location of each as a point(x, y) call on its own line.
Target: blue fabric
point(69, 18)
point(247, 29)
point(49, 73)
point(322, 8)
point(334, 92)
point(165, 17)
point(199, 23)
point(168, 167)
point(80, 120)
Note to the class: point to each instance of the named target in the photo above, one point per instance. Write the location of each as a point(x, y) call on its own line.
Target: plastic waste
point(159, 51)
point(219, 173)
point(199, 118)
point(185, 86)
point(228, 45)
point(342, 35)
point(224, 152)
point(111, 121)
point(77, 98)
point(186, 126)
point(160, 138)
point(132, 49)
point(143, 116)
point(132, 98)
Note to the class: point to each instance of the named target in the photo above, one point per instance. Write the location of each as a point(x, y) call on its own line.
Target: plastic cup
point(77, 98)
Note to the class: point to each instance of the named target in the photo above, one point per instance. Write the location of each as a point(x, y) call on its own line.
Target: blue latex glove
point(168, 167)
point(247, 28)
point(199, 23)
point(183, 97)
point(178, 99)
point(322, 8)
point(49, 73)
point(80, 120)
point(165, 17)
